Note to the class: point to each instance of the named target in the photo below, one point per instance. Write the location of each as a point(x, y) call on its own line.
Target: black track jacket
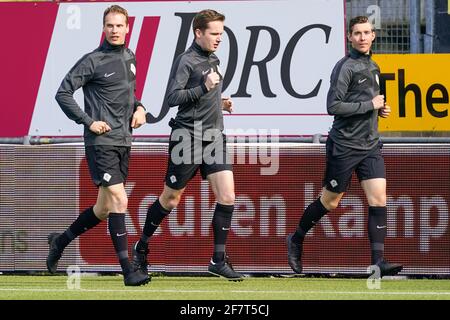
point(188, 91)
point(354, 83)
point(108, 78)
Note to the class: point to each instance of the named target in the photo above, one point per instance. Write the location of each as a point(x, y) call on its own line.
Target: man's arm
point(340, 82)
point(78, 76)
point(177, 93)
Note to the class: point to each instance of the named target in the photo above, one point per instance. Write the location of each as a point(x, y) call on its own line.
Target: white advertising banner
point(276, 56)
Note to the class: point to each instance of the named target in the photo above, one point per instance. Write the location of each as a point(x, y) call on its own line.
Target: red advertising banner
point(268, 207)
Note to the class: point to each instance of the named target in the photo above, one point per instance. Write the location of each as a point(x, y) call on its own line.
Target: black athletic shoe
point(389, 269)
point(136, 278)
point(54, 253)
point(294, 254)
point(140, 258)
point(224, 269)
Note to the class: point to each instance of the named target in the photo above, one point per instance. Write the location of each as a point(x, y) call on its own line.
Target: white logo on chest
point(361, 80)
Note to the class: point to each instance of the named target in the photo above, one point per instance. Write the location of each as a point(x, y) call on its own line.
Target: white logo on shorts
point(333, 183)
point(106, 177)
point(173, 179)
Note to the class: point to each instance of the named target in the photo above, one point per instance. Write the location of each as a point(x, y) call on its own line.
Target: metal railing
point(317, 138)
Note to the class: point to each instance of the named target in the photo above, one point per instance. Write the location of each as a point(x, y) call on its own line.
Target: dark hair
point(357, 20)
point(204, 17)
point(115, 9)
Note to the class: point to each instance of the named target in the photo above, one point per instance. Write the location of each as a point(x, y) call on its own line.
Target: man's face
point(210, 39)
point(115, 28)
point(362, 37)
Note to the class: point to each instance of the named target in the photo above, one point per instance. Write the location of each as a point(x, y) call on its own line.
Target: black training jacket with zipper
point(354, 83)
point(198, 108)
point(108, 78)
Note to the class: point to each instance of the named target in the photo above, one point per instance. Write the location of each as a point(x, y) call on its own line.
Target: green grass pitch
point(42, 287)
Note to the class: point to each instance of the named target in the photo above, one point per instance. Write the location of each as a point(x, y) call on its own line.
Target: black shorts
point(108, 165)
point(342, 161)
point(187, 156)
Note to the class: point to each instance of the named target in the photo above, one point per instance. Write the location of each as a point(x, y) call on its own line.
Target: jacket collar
point(355, 54)
point(199, 49)
point(109, 47)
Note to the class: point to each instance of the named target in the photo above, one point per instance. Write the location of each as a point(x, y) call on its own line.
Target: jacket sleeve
point(137, 103)
point(336, 104)
point(78, 76)
point(177, 92)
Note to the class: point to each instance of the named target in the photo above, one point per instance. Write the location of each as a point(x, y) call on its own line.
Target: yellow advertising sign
point(417, 89)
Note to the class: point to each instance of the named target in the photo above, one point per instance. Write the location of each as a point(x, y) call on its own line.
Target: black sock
point(85, 221)
point(313, 213)
point(118, 232)
point(377, 227)
point(221, 225)
point(155, 215)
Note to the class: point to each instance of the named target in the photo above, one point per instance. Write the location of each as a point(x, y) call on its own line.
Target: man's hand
point(227, 104)
point(212, 80)
point(99, 127)
point(138, 117)
point(385, 111)
point(378, 102)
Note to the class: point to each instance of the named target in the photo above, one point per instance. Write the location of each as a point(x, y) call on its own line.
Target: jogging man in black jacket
point(107, 76)
point(353, 144)
point(195, 86)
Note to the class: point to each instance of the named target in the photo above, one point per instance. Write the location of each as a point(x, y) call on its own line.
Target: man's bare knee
point(170, 201)
point(331, 204)
point(119, 203)
point(226, 198)
point(330, 200)
point(379, 201)
point(101, 212)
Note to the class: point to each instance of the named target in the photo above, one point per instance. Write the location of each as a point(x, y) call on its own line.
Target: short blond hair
point(115, 9)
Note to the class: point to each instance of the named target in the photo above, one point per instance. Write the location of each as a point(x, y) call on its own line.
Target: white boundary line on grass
point(369, 292)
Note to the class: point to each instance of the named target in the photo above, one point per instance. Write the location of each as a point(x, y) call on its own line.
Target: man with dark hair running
point(195, 85)
point(108, 77)
point(353, 144)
